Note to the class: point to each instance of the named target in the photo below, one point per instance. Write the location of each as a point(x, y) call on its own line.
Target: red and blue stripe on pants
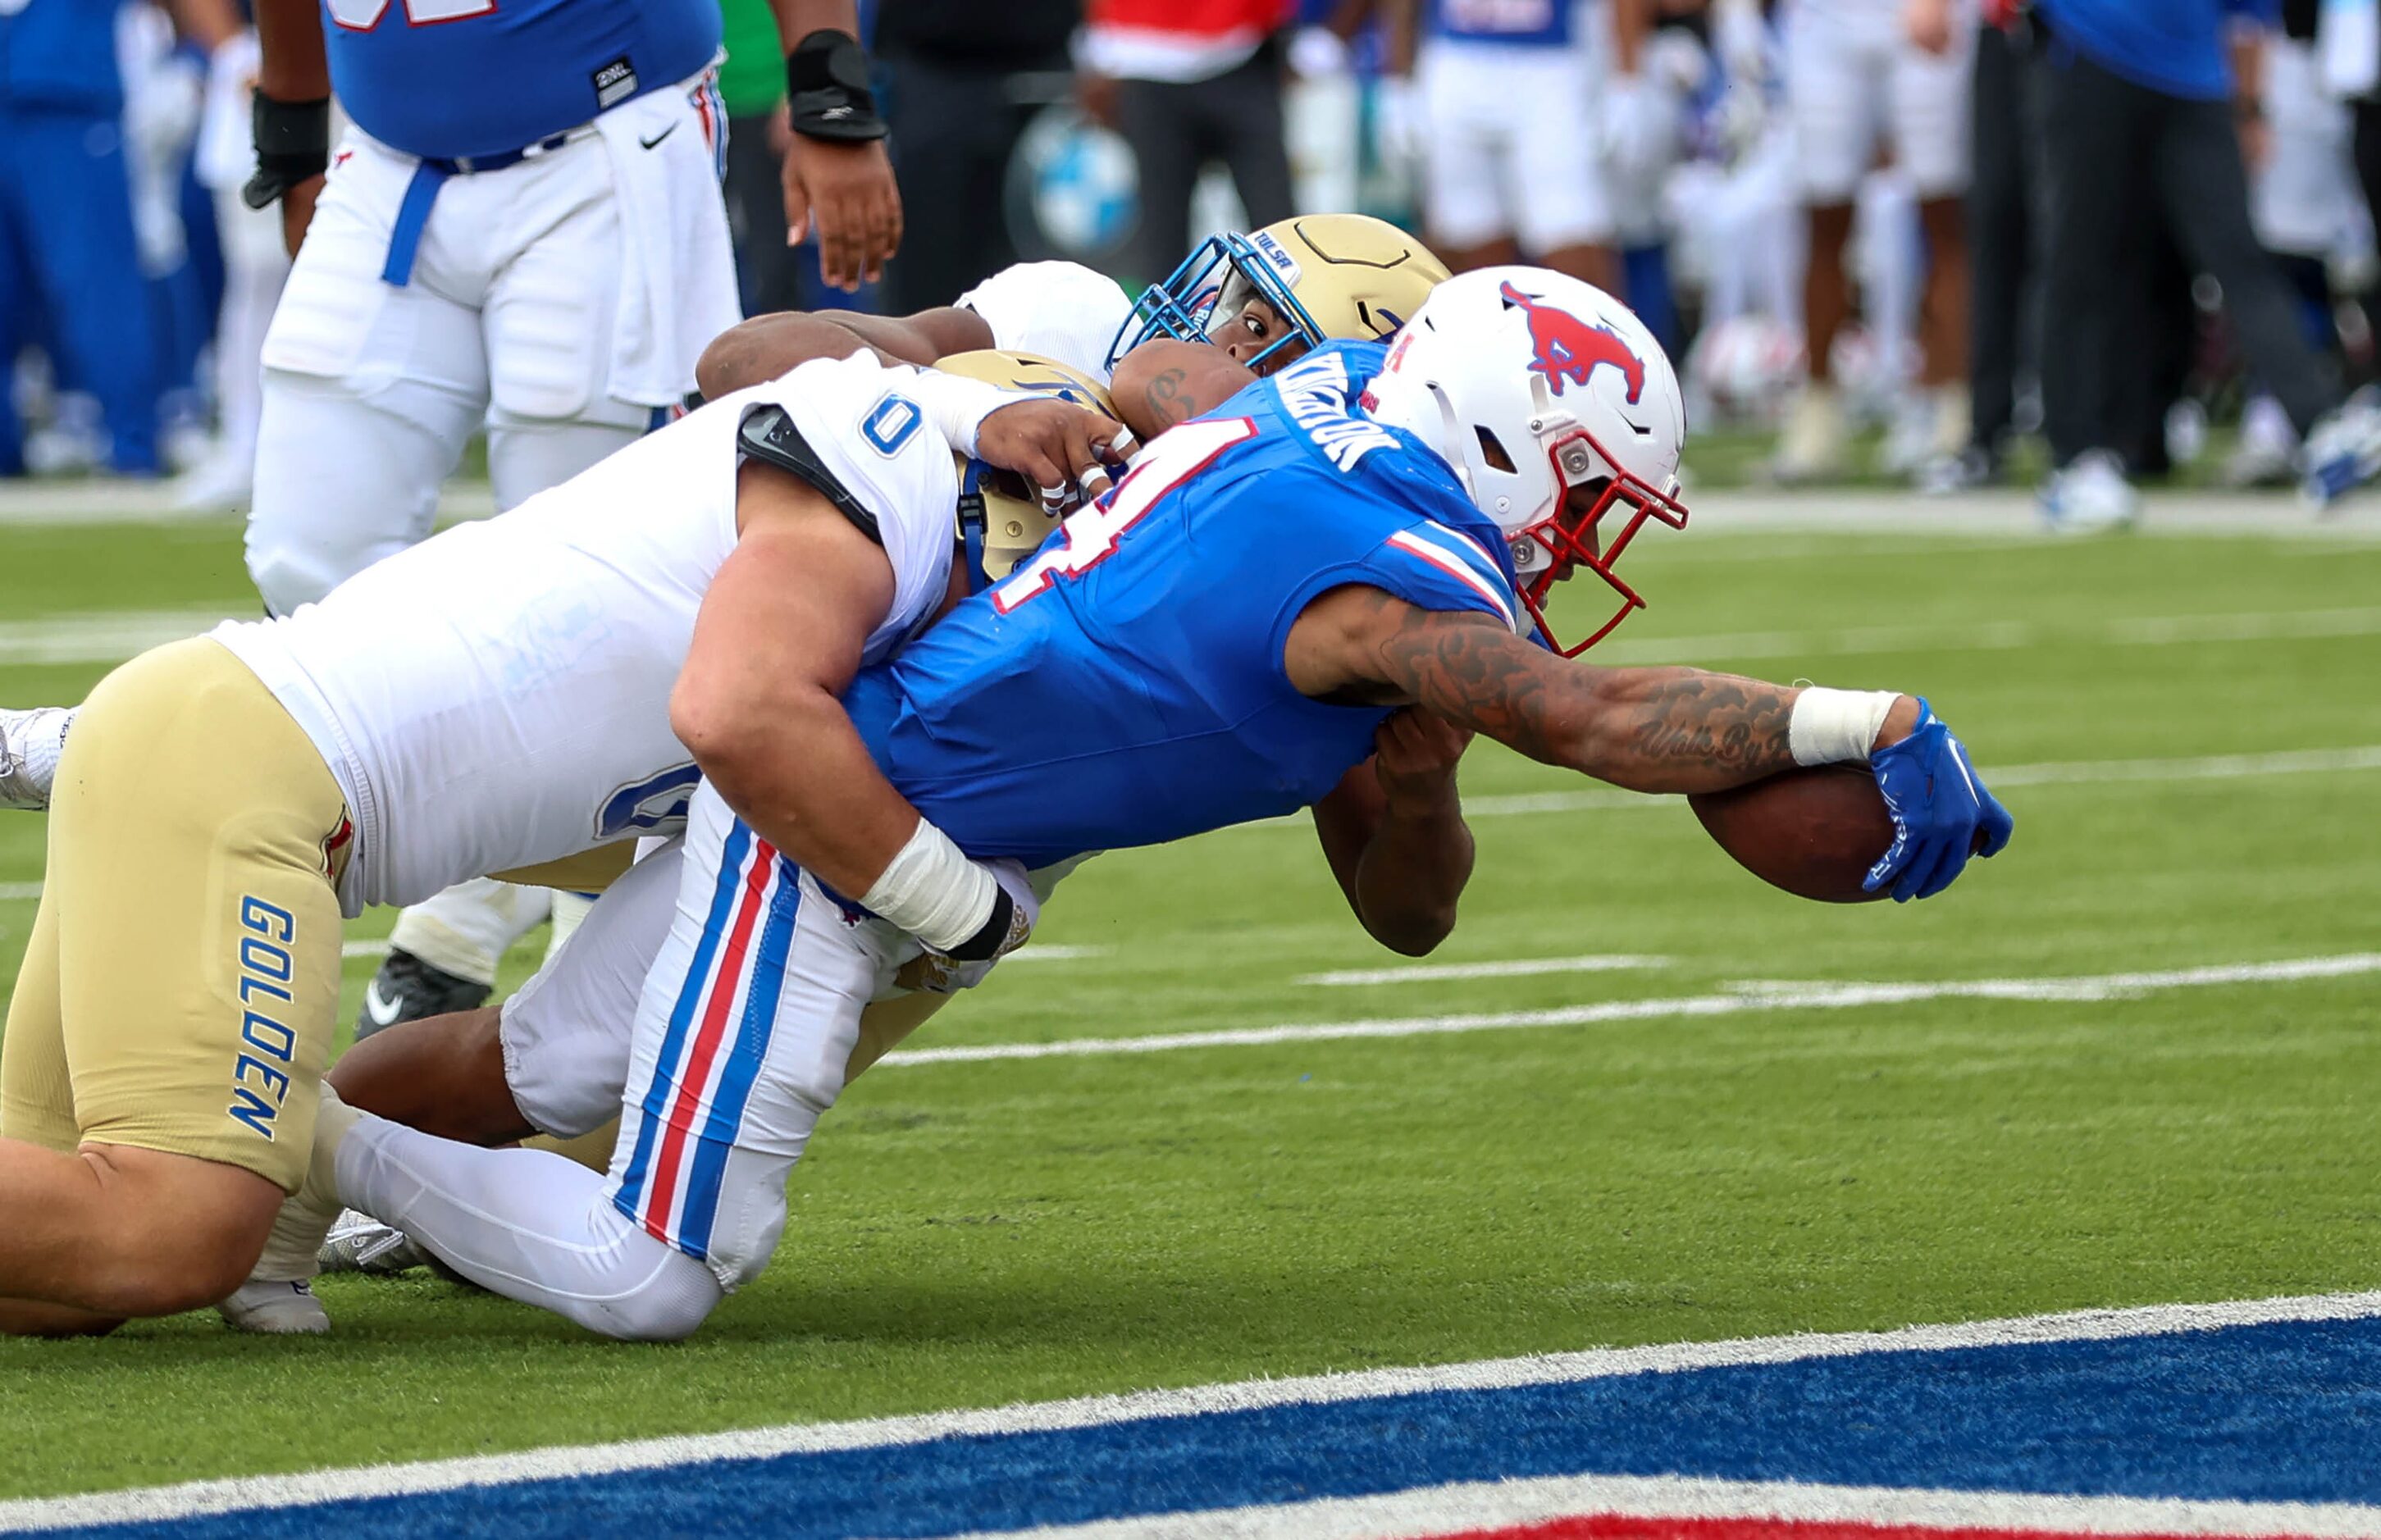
point(718, 1037)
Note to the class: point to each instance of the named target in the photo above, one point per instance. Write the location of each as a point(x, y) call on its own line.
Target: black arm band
point(293, 142)
point(984, 945)
point(826, 88)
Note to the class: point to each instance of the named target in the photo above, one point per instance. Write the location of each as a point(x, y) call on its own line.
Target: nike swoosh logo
point(380, 1007)
point(666, 133)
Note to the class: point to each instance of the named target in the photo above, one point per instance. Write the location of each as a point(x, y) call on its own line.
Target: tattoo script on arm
point(1652, 730)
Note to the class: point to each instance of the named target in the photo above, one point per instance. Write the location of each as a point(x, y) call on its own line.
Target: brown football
point(1814, 832)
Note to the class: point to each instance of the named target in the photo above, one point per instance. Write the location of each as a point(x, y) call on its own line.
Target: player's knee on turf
point(168, 1233)
point(676, 1297)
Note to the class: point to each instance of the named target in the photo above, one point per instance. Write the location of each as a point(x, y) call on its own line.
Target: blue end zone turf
point(2274, 1413)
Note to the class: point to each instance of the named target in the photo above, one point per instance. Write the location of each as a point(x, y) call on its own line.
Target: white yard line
point(110, 636)
point(46, 505)
point(1517, 967)
point(2205, 767)
point(2202, 767)
point(1737, 1000)
point(1994, 636)
point(192, 1498)
point(1463, 1505)
point(103, 636)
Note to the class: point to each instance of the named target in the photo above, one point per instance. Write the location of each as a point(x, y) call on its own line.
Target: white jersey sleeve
point(498, 697)
point(878, 442)
point(1060, 310)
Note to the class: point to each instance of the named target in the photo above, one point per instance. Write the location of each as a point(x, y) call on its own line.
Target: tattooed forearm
point(1685, 716)
point(1652, 729)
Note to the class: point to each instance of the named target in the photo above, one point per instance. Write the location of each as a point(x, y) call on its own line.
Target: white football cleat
point(275, 1308)
point(2343, 451)
point(360, 1243)
point(29, 741)
point(1811, 446)
point(2089, 496)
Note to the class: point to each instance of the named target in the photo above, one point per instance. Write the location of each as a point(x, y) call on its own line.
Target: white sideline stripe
point(2155, 630)
point(1740, 1000)
point(110, 636)
point(1477, 1505)
point(103, 636)
point(190, 1498)
point(2208, 767)
point(1055, 953)
point(1518, 968)
point(364, 949)
point(2204, 768)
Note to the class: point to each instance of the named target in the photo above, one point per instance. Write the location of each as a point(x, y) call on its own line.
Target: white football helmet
point(1556, 407)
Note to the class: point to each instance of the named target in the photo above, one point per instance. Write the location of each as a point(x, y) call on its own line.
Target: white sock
point(292, 1250)
point(569, 910)
point(529, 1224)
point(465, 930)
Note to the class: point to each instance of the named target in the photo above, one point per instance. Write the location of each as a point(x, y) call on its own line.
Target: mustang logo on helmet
point(1569, 348)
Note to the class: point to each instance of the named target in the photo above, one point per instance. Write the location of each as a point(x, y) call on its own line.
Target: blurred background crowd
point(2083, 243)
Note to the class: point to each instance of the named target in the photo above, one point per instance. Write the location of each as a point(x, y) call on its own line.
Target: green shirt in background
point(753, 82)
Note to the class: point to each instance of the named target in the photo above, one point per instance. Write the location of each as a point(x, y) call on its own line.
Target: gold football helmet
point(1001, 520)
point(1323, 277)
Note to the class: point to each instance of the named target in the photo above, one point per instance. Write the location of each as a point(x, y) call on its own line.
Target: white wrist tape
point(932, 891)
point(1836, 727)
point(958, 406)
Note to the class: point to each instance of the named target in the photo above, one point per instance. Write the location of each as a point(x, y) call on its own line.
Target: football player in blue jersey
point(1290, 287)
point(1218, 638)
point(523, 233)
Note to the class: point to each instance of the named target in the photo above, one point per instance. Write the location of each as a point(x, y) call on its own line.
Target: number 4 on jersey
point(1092, 534)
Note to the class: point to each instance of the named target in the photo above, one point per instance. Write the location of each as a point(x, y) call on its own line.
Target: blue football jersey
point(447, 79)
point(1125, 686)
point(1539, 23)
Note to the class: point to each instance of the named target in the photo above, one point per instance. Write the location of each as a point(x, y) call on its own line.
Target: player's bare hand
point(1414, 755)
point(1064, 452)
point(848, 191)
point(1928, 23)
point(298, 212)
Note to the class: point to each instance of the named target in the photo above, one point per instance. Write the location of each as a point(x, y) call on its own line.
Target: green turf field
point(979, 1232)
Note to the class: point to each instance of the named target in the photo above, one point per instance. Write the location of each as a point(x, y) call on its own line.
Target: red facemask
point(1594, 541)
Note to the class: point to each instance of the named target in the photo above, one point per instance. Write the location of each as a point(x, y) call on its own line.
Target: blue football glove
point(1941, 811)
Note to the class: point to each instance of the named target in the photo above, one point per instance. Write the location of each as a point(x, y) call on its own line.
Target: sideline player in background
point(1523, 105)
point(537, 244)
point(69, 255)
point(1333, 552)
point(1852, 66)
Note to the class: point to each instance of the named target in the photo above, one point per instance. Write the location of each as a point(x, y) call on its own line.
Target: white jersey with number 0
point(498, 697)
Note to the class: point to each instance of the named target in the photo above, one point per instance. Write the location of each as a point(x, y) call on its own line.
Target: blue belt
point(413, 213)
